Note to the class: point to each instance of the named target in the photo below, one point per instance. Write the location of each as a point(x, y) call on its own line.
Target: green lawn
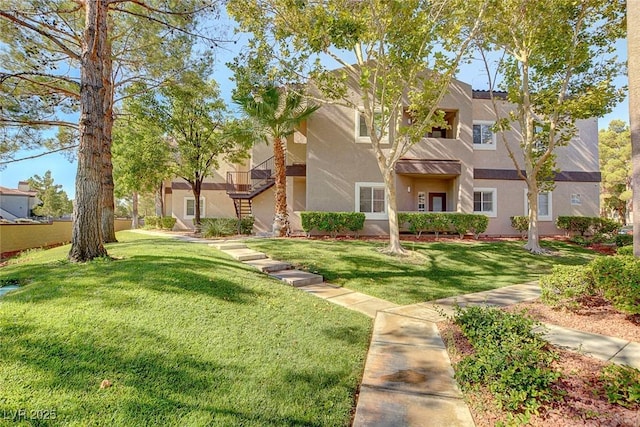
point(435, 269)
point(187, 336)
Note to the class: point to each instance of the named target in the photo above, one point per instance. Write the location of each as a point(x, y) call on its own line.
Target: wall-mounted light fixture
point(409, 189)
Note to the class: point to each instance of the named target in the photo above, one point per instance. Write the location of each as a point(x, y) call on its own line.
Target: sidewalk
point(408, 377)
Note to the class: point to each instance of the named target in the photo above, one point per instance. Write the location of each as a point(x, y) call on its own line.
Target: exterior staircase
point(242, 187)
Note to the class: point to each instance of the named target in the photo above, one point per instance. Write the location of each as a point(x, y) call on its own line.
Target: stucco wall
point(511, 202)
point(19, 237)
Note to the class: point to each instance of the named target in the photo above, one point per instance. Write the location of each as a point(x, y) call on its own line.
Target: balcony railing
point(258, 178)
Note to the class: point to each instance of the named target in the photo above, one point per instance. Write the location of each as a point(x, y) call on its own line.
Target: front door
point(437, 202)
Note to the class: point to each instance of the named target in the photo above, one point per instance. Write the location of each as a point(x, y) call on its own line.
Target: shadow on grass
point(201, 274)
point(149, 387)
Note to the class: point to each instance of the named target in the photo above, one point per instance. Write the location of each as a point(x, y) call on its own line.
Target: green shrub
point(436, 222)
point(587, 224)
point(605, 226)
point(625, 250)
point(510, 359)
point(622, 384)
point(566, 285)
point(520, 223)
point(166, 222)
point(219, 227)
point(332, 222)
point(151, 222)
point(575, 224)
point(618, 277)
point(624, 240)
point(246, 224)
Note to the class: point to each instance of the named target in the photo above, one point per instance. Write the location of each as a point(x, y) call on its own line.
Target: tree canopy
point(557, 67)
point(615, 166)
point(55, 202)
point(394, 56)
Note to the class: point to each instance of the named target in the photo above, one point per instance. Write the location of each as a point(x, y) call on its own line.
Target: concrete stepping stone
point(228, 245)
point(297, 278)
point(244, 254)
point(268, 265)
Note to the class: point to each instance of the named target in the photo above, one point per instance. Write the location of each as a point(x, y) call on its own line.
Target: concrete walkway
point(408, 379)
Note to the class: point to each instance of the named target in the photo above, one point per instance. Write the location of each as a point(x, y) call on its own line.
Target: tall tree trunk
point(281, 220)
point(135, 221)
point(533, 234)
point(633, 55)
point(108, 199)
point(159, 199)
point(86, 237)
point(394, 248)
point(197, 189)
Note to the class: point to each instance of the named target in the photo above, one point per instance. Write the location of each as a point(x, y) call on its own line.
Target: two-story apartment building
point(463, 168)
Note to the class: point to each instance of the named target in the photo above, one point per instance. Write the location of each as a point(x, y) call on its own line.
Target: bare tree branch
point(39, 155)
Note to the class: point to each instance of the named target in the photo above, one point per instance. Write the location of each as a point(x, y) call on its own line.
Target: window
point(371, 199)
point(576, 199)
point(483, 136)
point(190, 207)
point(544, 206)
point(485, 201)
point(362, 132)
point(422, 201)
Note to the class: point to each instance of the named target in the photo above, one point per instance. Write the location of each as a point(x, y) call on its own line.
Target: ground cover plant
point(434, 269)
point(182, 334)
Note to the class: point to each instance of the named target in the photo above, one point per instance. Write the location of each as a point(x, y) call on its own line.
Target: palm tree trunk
point(281, 220)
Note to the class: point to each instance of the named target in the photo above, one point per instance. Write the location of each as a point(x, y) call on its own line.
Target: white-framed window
point(422, 201)
point(485, 201)
point(576, 199)
point(483, 136)
point(190, 207)
point(545, 202)
point(371, 199)
point(361, 131)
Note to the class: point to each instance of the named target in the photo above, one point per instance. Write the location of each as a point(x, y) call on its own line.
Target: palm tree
point(277, 112)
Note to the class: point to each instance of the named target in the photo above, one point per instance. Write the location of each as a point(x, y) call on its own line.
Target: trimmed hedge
point(624, 240)
point(619, 278)
point(436, 222)
point(159, 222)
point(586, 224)
point(332, 222)
point(520, 223)
point(219, 227)
point(566, 285)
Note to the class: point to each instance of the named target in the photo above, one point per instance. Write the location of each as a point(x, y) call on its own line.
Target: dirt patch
point(583, 401)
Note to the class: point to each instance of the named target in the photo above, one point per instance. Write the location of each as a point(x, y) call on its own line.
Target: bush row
point(332, 222)
point(159, 222)
point(616, 277)
point(219, 227)
point(510, 359)
point(573, 224)
point(422, 222)
point(587, 224)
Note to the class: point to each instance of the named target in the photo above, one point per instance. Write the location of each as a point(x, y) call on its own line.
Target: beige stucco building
point(464, 168)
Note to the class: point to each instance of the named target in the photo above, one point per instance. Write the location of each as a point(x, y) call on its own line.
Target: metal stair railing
point(252, 181)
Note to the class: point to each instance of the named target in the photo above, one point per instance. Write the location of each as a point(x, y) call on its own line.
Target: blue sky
point(64, 172)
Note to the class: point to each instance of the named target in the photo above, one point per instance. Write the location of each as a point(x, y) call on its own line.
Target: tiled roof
point(13, 192)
